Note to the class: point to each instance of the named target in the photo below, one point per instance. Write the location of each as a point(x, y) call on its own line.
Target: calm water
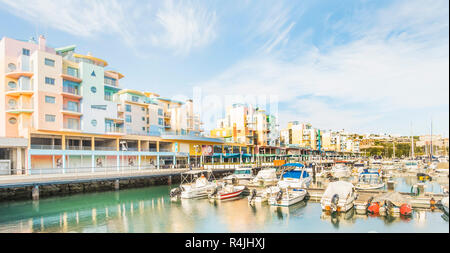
point(150, 210)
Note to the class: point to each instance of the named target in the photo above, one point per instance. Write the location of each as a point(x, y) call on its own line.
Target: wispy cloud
point(179, 27)
point(384, 68)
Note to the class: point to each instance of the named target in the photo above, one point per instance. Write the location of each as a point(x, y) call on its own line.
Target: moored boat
point(338, 197)
point(226, 192)
point(294, 178)
point(194, 184)
point(285, 197)
point(369, 181)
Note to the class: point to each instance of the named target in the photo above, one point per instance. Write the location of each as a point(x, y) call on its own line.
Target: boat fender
point(405, 210)
point(432, 202)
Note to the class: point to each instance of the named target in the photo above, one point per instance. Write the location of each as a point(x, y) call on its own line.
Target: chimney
point(42, 45)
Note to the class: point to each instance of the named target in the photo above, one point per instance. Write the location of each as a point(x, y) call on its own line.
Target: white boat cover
point(396, 198)
point(342, 188)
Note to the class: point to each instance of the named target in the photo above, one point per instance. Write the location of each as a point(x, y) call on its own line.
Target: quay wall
point(99, 185)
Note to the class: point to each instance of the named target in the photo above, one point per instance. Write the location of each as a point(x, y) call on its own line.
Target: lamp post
point(124, 148)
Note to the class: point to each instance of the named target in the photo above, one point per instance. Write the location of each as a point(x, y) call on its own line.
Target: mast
point(431, 141)
point(412, 143)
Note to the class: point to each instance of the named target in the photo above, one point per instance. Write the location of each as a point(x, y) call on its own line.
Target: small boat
point(294, 178)
point(193, 185)
point(340, 171)
point(258, 197)
point(369, 181)
point(338, 197)
point(393, 203)
point(226, 192)
point(265, 177)
point(285, 197)
point(240, 174)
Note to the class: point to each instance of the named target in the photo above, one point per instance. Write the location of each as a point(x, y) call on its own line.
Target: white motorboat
point(338, 197)
point(194, 184)
point(294, 178)
point(369, 181)
point(265, 177)
point(340, 171)
point(240, 174)
point(285, 196)
point(227, 191)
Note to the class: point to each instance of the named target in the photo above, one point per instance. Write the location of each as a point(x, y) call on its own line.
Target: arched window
point(12, 120)
point(12, 85)
point(11, 67)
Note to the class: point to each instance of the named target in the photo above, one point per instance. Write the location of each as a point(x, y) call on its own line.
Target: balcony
point(17, 109)
point(111, 129)
point(71, 92)
point(38, 146)
point(21, 89)
point(18, 73)
point(71, 110)
point(72, 126)
point(71, 76)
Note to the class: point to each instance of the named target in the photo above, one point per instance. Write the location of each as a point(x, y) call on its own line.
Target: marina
point(283, 204)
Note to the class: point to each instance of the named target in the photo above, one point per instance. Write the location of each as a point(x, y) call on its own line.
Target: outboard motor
point(334, 202)
point(253, 194)
point(234, 181)
point(279, 195)
point(175, 192)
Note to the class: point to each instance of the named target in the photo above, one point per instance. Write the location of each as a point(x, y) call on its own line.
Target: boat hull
point(293, 198)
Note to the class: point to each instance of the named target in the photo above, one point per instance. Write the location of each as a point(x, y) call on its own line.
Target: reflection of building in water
point(245, 220)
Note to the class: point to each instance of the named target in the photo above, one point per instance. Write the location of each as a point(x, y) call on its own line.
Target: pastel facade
point(61, 110)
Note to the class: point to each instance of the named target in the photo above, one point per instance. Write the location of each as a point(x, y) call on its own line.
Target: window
point(110, 81)
point(143, 109)
point(134, 98)
point(143, 118)
point(143, 128)
point(73, 124)
point(12, 103)
point(100, 107)
point(50, 118)
point(49, 62)
point(26, 51)
point(94, 122)
point(49, 80)
point(12, 120)
point(72, 106)
point(12, 85)
point(160, 112)
point(128, 108)
point(160, 121)
point(72, 71)
point(11, 67)
point(50, 99)
point(93, 73)
point(108, 95)
point(93, 89)
point(128, 118)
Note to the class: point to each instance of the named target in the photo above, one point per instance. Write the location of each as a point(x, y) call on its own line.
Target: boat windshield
point(369, 178)
point(240, 172)
point(411, 164)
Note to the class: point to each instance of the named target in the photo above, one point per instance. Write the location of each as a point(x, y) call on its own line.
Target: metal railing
point(71, 90)
point(39, 146)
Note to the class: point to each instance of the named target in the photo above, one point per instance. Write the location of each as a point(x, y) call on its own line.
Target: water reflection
point(150, 210)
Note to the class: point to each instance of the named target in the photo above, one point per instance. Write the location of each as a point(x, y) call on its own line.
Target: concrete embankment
point(44, 189)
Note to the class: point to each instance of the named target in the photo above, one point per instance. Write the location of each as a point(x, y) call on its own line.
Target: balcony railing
point(39, 146)
point(71, 90)
point(114, 129)
point(72, 126)
point(71, 108)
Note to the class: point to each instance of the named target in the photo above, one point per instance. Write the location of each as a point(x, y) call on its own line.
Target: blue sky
point(363, 66)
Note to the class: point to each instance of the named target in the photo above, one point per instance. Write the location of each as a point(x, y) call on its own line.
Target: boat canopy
point(293, 164)
point(342, 188)
point(395, 197)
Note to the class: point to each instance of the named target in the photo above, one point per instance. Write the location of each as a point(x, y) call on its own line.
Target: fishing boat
point(226, 192)
point(194, 184)
point(338, 197)
point(285, 196)
point(240, 174)
point(340, 171)
point(369, 181)
point(294, 175)
point(265, 177)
